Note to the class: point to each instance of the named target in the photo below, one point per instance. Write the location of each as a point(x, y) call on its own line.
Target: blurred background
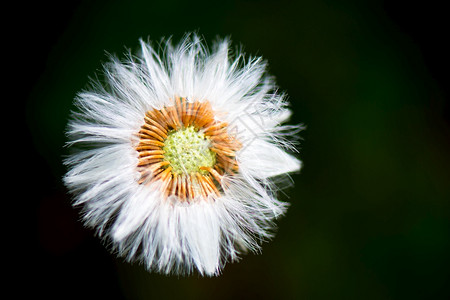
point(369, 215)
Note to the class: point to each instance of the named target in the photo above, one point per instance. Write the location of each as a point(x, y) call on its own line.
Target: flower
point(176, 154)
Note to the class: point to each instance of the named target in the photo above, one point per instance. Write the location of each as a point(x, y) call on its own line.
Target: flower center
point(188, 150)
point(185, 151)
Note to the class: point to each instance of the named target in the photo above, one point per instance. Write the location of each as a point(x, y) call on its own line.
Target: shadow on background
point(370, 210)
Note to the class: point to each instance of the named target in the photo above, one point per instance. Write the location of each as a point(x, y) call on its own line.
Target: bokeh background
point(369, 215)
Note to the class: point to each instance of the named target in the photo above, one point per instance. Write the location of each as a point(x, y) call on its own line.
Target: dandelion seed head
point(179, 151)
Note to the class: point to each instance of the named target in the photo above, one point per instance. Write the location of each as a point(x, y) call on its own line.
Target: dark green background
point(370, 209)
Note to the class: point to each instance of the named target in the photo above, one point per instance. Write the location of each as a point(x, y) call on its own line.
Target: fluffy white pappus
point(139, 221)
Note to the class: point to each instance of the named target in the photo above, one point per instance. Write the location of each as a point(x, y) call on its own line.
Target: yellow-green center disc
point(187, 150)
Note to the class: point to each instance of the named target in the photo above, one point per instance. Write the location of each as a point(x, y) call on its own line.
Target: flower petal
point(262, 159)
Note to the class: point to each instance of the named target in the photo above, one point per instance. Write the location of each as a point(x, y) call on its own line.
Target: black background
point(373, 226)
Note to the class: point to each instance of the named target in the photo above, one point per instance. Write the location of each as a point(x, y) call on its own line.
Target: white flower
point(175, 154)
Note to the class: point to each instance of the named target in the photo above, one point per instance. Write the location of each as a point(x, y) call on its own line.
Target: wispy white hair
point(168, 235)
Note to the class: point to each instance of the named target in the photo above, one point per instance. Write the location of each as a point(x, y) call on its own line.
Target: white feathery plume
point(176, 154)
